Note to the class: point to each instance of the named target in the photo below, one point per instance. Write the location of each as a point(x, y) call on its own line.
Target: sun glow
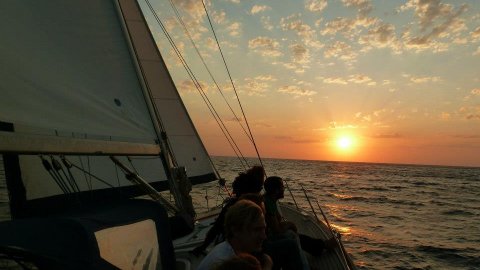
point(345, 142)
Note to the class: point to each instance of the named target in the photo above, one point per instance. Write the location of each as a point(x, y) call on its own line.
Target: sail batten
point(27, 144)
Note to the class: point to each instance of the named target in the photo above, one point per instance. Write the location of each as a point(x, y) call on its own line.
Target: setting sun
point(345, 142)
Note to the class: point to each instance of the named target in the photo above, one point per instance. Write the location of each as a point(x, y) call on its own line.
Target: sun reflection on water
point(344, 230)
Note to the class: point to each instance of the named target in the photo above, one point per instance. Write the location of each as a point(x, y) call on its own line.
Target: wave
point(381, 200)
point(457, 212)
point(451, 256)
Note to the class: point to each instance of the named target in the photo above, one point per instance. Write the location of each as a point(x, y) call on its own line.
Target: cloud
point(428, 10)
point(340, 50)
point(234, 29)
point(435, 20)
point(364, 6)
point(470, 113)
point(424, 79)
point(475, 34)
point(445, 116)
point(335, 80)
point(394, 135)
point(383, 35)
point(265, 46)
point(194, 9)
point(300, 53)
point(316, 5)
point(258, 85)
point(257, 9)
point(477, 52)
point(289, 139)
point(219, 17)
point(303, 30)
point(361, 79)
point(296, 91)
point(211, 44)
point(335, 125)
point(187, 86)
point(348, 27)
point(266, 22)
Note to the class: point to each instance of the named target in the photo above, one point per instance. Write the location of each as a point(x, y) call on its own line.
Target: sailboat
point(90, 123)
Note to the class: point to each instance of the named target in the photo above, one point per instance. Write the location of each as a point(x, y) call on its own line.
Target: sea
point(390, 216)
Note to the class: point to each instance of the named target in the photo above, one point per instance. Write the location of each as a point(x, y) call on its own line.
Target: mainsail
point(87, 71)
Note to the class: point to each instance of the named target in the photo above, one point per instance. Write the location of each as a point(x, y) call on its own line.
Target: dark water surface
point(390, 216)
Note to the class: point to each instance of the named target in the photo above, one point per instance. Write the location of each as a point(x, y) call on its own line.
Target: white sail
point(88, 69)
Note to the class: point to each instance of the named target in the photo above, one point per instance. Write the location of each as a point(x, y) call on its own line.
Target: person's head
point(254, 197)
point(243, 261)
point(250, 181)
point(274, 187)
point(245, 226)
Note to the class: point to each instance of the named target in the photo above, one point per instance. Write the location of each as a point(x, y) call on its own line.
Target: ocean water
point(390, 216)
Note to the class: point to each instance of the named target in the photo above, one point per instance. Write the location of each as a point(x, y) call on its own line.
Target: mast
point(146, 53)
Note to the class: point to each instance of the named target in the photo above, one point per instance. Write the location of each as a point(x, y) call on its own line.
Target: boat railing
point(337, 236)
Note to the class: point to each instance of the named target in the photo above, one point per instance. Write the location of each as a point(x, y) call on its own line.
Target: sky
point(344, 80)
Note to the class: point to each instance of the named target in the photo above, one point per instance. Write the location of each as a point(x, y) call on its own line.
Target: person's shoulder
point(219, 253)
point(230, 201)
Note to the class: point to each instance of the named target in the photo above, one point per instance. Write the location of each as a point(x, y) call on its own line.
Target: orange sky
point(401, 78)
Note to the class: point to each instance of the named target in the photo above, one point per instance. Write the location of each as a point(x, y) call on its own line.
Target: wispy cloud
point(266, 22)
point(361, 78)
point(258, 85)
point(259, 8)
point(187, 86)
point(234, 29)
point(475, 34)
point(339, 125)
point(470, 112)
point(303, 30)
point(424, 79)
point(393, 135)
point(435, 20)
point(340, 50)
point(265, 46)
point(477, 52)
point(363, 6)
point(194, 8)
point(383, 35)
point(300, 53)
point(296, 91)
point(315, 5)
point(335, 80)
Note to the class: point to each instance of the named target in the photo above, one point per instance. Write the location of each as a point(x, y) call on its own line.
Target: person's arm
point(215, 230)
point(272, 216)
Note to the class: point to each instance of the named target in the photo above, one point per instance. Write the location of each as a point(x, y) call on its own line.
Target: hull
point(306, 224)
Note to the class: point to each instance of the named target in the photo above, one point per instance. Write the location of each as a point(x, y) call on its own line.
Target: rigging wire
point(231, 81)
point(214, 113)
point(68, 166)
point(91, 175)
point(49, 169)
point(180, 20)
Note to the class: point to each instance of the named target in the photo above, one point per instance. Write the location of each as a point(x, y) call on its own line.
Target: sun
point(345, 142)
